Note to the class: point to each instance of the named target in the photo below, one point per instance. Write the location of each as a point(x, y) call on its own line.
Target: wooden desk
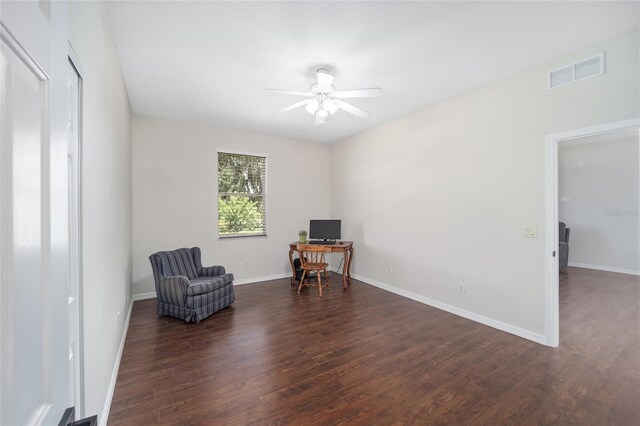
point(344, 247)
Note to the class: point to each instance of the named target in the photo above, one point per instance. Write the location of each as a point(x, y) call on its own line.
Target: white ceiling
point(208, 62)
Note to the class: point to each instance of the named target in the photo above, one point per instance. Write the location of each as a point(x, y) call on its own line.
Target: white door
point(76, 379)
point(34, 267)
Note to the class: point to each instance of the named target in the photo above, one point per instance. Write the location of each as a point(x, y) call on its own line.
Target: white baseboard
point(143, 296)
point(509, 328)
point(114, 375)
point(263, 278)
point(604, 268)
point(503, 326)
point(152, 294)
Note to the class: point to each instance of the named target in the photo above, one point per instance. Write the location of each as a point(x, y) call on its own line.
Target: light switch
point(530, 232)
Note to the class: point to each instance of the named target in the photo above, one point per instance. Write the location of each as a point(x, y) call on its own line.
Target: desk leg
point(345, 269)
point(349, 265)
point(293, 269)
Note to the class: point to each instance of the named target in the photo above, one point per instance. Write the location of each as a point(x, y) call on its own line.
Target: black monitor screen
point(324, 229)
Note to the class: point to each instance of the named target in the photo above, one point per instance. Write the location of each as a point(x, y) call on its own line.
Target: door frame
point(80, 403)
point(551, 216)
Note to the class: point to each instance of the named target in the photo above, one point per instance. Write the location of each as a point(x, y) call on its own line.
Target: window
point(242, 185)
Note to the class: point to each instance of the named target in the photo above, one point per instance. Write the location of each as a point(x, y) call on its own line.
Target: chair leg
point(318, 275)
point(326, 278)
point(301, 280)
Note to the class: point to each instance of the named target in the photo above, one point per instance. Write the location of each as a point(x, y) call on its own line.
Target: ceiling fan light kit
point(324, 100)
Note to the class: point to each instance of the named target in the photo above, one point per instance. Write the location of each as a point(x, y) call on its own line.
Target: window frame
point(264, 194)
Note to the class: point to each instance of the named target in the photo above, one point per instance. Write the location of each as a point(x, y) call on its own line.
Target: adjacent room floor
point(371, 357)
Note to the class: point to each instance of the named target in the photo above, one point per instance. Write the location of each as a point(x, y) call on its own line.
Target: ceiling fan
point(324, 100)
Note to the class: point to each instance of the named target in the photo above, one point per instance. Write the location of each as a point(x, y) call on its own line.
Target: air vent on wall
point(589, 67)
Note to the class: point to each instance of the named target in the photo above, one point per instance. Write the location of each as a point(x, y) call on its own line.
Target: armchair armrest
point(212, 271)
point(173, 290)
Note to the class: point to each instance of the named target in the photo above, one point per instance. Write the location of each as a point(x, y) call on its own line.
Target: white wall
point(175, 196)
point(106, 197)
point(599, 188)
point(442, 195)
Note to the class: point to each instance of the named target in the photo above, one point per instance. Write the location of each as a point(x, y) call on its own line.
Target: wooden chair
point(312, 259)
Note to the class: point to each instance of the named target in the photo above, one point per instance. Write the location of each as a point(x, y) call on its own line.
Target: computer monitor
point(328, 229)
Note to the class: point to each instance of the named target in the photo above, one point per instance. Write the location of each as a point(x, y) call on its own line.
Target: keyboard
point(330, 242)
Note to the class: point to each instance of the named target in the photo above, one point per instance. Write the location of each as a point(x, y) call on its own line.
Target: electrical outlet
point(389, 270)
point(246, 264)
point(119, 319)
point(461, 288)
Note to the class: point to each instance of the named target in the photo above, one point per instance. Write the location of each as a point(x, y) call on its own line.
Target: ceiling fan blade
point(351, 109)
point(294, 106)
point(324, 80)
point(319, 120)
point(289, 92)
point(359, 93)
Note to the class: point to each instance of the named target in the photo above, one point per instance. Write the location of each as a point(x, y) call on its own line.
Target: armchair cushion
point(202, 285)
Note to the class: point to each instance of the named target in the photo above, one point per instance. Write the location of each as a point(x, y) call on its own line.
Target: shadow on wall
point(144, 285)
point(379, 258)
point(585, 237)
point(356, 234)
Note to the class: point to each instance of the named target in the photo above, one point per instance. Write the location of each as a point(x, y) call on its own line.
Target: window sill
point(238, 237)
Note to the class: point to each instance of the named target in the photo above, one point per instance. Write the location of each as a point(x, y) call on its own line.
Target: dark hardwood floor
point(367, 356)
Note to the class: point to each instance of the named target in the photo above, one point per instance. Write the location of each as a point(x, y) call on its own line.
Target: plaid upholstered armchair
point(186, 289)
point(563, 246)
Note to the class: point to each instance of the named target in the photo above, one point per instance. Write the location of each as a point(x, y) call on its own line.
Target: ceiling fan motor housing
point(325, 100)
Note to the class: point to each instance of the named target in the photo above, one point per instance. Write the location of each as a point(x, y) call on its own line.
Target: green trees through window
point(242, 183)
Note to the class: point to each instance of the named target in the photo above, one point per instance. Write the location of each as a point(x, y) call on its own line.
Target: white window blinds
point(242, 192)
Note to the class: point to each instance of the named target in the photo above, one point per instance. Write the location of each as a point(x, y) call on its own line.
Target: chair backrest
point(175, 262)
point(312, 253)
point(563, 232)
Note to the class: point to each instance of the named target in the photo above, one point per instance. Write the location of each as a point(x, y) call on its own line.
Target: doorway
point(74, 173)
point(552, 214)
